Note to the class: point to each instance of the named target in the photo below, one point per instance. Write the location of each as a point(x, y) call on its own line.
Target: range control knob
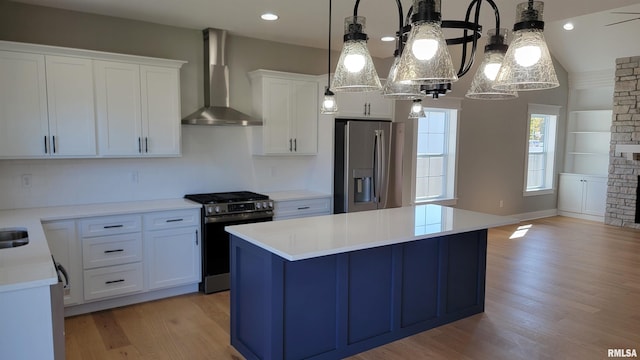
point(258, 206)
point(271, 204)
point(264, 204)
point(217, 209)
point(209, 209)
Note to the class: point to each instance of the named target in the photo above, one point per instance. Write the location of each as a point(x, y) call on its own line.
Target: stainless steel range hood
point(216, 110)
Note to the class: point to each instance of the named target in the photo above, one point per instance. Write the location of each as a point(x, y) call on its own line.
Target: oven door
point(215, 252)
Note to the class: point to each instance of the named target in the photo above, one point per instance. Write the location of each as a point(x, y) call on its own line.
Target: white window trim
point(546, 110)
point(451, 103)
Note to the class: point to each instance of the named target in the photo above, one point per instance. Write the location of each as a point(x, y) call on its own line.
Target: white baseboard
point(535, 214)
point(582, 216)
point(128, 300)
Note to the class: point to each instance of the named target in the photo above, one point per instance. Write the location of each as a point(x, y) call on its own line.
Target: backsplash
point(623, 174)
point(213, 159)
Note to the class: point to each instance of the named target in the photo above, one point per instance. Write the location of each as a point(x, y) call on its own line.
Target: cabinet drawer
point(171, 219)
point(304, 207)
point(111, 250)
point(112, 281)
point(110, 225)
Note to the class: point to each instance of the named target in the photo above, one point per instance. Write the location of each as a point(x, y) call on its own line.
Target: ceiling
point(306, 22)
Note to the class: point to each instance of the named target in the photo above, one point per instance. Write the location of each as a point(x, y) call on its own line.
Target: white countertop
point(296, 195)
point(305, 238)
point(30, 265)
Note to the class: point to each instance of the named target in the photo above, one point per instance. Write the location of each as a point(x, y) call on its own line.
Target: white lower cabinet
point(65, 248)
point(172, 257)
point(172, 248)
point(291, 209)
point(582, 195)
point(112, 281)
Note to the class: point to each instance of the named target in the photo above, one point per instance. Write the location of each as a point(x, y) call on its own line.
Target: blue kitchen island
point(332, 286)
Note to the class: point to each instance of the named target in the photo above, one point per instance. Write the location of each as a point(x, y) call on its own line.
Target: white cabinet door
point(277, 102)
point(304, 118)
point(24, 126)
point(364, 105)
point(288, 106)
point(570, 193)
point(71, 108)
point(65, 248)
point(595, 195)
point(160, 110)
point(118, 108)
point(172, 257)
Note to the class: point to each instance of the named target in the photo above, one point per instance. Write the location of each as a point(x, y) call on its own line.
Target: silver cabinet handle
point(140, 145)
point(290, 146)
point(196, 237)
point(365, 108)
point(114, 281)
point(295, 145)
point(304, 207)
point(174, 220)
point(46, 150)
point(53, 143)
point(146, 144)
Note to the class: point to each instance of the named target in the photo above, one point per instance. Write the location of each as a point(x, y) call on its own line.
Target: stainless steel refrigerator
point(367, 165)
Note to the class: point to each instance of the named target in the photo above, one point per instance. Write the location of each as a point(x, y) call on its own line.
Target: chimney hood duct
point(216, 110)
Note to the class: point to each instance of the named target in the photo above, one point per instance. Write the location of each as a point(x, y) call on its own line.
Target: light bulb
point(328, 103)
point(527, 56)
point(424, 49)
point(416, 107)
point(354, 62)
point(491, 70)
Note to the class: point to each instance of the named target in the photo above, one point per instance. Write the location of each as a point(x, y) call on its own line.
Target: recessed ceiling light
point(388, 38)
point(269, 16)
point(568, 26)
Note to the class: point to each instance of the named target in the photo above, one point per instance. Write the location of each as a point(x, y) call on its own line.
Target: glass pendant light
point(329, 103)
point(426, 57)
point(355, 71)
point(482, 84)
point(394, 89)
point(417, 110)
point(527, 64)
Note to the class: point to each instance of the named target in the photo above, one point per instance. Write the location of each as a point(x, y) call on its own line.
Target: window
point(541, 146)
point(435, 160)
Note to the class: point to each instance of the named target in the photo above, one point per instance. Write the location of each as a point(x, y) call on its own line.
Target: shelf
point(587, 153)
point(589, 132)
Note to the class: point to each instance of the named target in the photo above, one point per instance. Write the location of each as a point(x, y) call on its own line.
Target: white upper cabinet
point(160, 96)
point(24, 125)
point(138, 109)
point(72, 124)
point(288, 105)
point(63, 102)
point(118, 108)
point(369, 104)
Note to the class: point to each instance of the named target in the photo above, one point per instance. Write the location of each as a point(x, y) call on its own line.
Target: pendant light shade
point(482, 84)
point(393, 89)
point(329, 103)
point(527, 64)
point(426, 57)
point(417, 110)
point(355, 71)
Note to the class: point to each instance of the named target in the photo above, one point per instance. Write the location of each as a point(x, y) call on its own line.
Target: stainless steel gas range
point(220, 210)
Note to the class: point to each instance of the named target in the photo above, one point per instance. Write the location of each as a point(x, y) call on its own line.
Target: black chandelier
point(422, 64)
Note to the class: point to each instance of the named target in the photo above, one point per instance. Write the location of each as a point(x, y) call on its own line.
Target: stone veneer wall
point(625, 129)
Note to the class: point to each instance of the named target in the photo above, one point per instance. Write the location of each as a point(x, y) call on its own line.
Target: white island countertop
point(305, 238)
point(30, 265)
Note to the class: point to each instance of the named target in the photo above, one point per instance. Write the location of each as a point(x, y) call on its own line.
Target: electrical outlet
point(501, 203)
point(26, 180)
point(134, 177)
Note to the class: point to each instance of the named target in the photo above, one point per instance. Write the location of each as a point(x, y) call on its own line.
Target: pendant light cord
point(329, 52)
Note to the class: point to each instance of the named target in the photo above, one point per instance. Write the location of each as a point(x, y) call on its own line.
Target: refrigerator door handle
point(378, 164)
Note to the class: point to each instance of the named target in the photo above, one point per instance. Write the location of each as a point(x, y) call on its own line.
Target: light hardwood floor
point(567, 289)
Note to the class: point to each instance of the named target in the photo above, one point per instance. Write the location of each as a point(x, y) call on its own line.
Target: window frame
point(551, 138)
point(449, 197)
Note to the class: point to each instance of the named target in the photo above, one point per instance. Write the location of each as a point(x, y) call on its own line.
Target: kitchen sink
point(13, 237)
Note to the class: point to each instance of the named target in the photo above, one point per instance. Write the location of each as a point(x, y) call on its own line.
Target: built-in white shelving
point(588, 139)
